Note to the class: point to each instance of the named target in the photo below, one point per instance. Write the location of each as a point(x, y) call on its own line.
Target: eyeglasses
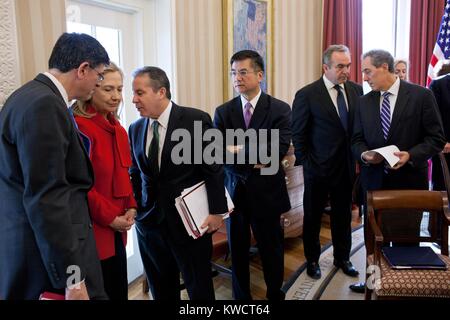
point(100, 77)
point(241, 73)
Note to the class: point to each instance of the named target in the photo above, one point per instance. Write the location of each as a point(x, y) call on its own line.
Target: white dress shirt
point(163, 121)
point(333, 92)
point(253, 102)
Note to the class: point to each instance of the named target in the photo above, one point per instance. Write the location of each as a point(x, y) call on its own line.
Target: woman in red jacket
point(111, 200)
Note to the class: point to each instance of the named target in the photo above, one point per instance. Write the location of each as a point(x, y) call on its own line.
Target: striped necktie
point(385, 115)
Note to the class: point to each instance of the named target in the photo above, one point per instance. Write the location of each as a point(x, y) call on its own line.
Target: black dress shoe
point(313, 270)
point(347, 267)
point(358, 287)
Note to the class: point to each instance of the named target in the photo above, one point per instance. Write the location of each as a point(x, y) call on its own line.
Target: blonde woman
point(111, 200)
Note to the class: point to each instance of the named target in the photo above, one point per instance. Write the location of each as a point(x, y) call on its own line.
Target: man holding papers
point(396, 113)
point(165, 245)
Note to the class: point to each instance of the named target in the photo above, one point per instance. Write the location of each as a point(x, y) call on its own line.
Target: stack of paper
point(192, 205)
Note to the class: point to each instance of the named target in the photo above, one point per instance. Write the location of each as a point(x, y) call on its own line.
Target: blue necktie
point(342, 107)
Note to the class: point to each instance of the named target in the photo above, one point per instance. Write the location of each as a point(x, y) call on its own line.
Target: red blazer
point(112, 193)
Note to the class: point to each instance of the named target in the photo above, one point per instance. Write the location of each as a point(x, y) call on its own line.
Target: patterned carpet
point(333, 285)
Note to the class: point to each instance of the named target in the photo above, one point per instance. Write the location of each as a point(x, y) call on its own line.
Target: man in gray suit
point(46, 238)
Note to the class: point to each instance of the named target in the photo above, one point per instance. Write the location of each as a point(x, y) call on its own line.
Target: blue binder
point(413, 258)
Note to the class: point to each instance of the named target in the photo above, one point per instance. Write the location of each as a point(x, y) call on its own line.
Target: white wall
point(9, 53)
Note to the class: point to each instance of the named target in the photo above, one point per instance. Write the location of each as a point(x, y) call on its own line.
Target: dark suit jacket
point(415, 127)
point(441, 91)
point(45, 175)
point(156, 196)
point(321, 143)
point(269, 192)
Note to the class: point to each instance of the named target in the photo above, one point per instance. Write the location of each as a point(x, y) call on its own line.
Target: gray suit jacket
point(45, 175)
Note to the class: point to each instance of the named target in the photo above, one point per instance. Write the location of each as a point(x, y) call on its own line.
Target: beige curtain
point(39, 24)
point(198, 62)
point(297, 45)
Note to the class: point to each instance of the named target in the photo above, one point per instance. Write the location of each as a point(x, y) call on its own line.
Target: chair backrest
point(445, 173)
point(383, 202)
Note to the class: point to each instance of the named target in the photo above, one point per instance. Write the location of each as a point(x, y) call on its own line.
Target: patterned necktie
point(154, 149)
point(342, 107)
point(385, 115)
point(247, 114)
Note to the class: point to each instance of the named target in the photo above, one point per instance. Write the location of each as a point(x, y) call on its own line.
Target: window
point(386, 25)
point(83, 17)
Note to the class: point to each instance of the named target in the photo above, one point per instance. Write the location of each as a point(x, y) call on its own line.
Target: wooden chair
point(382, 281)
point(220, 249)
point(445, 172)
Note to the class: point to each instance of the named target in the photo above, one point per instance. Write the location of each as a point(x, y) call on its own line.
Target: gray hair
point(378, 57)
point(326, 58)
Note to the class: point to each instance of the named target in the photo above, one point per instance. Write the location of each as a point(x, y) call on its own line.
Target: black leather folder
point(413, 258)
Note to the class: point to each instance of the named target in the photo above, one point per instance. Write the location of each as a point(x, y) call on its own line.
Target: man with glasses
point(259, 199)
point(46, 238)
point(322, 120)
point(100, 76)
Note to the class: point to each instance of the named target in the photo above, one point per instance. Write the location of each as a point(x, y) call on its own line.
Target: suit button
point(90, 225)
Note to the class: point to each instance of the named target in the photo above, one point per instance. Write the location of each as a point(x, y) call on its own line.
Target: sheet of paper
point(388, 154)
point(193, 207)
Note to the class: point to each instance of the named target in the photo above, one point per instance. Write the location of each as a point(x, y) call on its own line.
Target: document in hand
point(51, 296)
point(413, 258)
point(387, 153)
point(192, 205)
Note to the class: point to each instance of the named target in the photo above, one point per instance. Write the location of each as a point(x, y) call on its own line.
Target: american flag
point(441, 50)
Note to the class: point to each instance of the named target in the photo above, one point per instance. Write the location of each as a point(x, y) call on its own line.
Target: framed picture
point(247, 24)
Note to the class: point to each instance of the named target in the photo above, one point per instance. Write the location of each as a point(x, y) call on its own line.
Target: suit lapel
point(260, 112)
point(323, 96)
point(400, 105)
point(174, 121)
point(236, 114)
point(351, 98)
point(373, 110)
point(142, 140)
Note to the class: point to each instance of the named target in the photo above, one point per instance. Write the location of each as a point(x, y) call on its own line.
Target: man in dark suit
point(259, 198)
point(166, 247)
point(441, 90)
point(397, 113)
point(46, 238)
point(322, 119)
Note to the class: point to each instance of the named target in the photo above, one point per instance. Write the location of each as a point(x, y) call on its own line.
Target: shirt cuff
point(362, 158)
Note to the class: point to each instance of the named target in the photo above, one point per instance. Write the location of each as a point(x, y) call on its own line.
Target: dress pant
point(164, 259)
point(316, 193)
point(115, 271)
point(269, 237)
